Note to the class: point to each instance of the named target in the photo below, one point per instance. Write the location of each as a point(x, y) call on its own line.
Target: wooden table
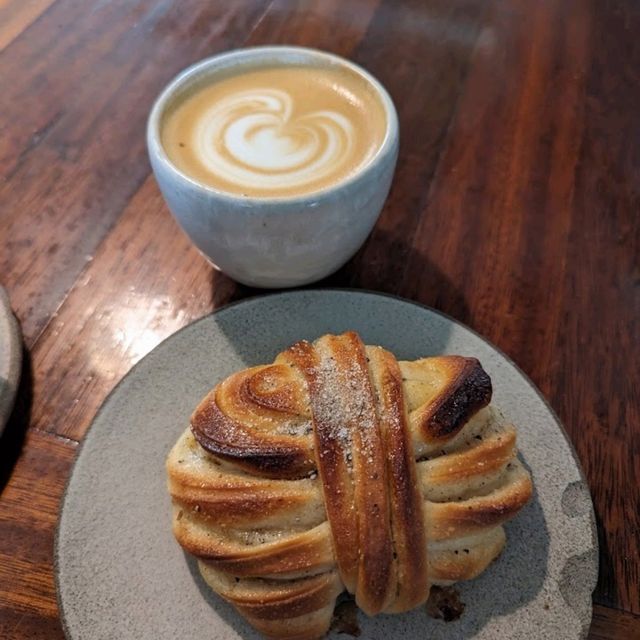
point(515, 208)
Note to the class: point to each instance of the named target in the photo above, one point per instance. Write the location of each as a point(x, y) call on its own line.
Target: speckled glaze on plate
point(10, 358)
point(120, 573)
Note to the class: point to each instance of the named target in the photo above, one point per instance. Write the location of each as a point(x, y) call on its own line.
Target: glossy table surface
point(515, 209)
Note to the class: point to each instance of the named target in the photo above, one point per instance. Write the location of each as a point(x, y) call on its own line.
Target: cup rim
point(156, 149)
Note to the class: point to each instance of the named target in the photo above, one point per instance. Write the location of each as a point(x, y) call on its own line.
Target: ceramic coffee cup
point(266, 241)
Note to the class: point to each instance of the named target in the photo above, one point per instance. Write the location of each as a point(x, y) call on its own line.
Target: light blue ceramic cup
point(274, 241)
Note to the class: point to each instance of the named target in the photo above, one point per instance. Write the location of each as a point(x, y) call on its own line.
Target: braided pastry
point(339, 468)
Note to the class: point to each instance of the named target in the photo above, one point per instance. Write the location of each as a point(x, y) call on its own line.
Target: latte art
point(276, 131)
point(253, 139)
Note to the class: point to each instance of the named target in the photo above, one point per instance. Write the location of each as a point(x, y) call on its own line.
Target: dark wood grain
point(516, 186)
point(16, 625)
point(514, 208)
point(596, 386)
point(28, 515)
point(422, 56)
point(610, 624)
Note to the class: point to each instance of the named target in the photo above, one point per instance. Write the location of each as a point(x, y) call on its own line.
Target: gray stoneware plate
point(120, 574)
point(10, 358)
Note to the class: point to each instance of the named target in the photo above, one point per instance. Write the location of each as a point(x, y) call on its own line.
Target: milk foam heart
point(276, 131)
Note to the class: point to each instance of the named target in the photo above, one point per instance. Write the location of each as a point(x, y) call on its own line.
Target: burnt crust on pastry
point(228, 440)
point(468, 391)
point(264, 390)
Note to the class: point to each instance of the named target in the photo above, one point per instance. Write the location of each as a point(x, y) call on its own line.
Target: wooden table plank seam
point(86, 267)
point(444, 148)
point(25, 28)
point(56, 436)
point(39, 137)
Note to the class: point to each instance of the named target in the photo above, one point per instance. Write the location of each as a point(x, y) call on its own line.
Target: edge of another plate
point(10, 358)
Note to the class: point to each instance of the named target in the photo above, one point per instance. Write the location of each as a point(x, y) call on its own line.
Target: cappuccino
point(276, 131)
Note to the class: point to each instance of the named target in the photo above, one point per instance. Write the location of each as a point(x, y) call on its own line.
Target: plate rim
point(14, 357)
point(294, 292)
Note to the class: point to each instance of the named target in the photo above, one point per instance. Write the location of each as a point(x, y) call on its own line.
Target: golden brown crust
point(406, 518)
point(351, 463)
point(333, 466)
point(296, 610)
point(338, 467)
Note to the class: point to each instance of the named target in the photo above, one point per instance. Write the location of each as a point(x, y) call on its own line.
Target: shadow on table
point(15, 430)
point(380, 266)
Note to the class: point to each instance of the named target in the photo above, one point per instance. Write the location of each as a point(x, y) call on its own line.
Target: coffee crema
point(276, 131)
